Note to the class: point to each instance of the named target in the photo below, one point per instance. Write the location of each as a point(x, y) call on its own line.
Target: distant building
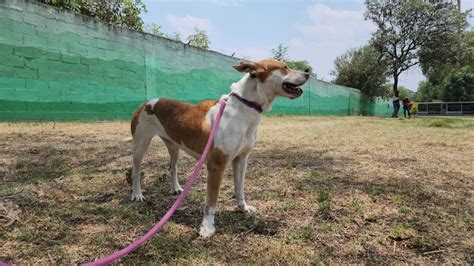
point(445, 108)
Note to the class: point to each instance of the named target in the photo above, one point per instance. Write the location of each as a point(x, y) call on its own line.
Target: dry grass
point(327, 189)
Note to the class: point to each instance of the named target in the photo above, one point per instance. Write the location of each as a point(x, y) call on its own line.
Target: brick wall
point(56, 65)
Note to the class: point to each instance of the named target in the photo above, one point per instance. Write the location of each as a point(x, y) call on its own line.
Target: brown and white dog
point(186, 127)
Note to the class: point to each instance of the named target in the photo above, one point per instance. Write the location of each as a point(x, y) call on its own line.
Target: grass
point(327, 190)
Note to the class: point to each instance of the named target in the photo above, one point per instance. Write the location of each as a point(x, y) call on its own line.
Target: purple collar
point(257, 107)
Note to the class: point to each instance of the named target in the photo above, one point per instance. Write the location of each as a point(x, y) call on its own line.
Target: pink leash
point(121, 253)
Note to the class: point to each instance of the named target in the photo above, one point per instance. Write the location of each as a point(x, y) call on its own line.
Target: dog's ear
point(252, 68)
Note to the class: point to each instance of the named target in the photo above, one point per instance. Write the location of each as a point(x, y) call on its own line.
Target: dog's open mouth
point(294, 90)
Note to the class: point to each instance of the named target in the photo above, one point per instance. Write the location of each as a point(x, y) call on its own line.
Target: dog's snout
point(306, 70)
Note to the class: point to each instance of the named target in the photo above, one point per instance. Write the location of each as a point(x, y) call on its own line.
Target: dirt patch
point(327, 190)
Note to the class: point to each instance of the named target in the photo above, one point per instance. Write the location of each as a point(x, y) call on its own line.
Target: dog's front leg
point(239, 166)
point(215, 168)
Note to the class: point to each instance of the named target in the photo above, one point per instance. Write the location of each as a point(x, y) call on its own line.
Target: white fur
point(152, 102)
point(207, 228)
point(235, 136)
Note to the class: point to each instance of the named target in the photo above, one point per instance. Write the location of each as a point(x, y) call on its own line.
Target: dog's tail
point(127, 139)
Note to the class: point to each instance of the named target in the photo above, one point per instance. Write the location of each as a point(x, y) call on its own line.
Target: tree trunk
point(396, 93)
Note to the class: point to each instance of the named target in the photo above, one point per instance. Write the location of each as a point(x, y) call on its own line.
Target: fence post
point(309, 97)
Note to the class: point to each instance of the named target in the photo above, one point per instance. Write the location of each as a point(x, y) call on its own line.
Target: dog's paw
point(177, 190)
point(137, 197)
point(248, 209)
point(207, 230)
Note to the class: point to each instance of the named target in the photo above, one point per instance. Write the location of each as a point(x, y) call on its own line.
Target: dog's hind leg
point(173, 150)
point(141, 141)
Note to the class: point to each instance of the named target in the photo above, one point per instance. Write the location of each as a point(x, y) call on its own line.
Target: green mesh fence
point(55, 65)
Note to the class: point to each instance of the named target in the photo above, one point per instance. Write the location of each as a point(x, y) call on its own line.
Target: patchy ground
point(327, 189)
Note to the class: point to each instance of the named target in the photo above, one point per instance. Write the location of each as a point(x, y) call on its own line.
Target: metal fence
point(445, 108)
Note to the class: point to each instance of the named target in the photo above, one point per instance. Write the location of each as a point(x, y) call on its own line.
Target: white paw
point(248, 209)
point(177, 190)
point(137, 197)
point(207, 230)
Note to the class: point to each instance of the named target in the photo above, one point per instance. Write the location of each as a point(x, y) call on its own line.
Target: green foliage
point(300, 234)
point(302, 65)
point(323, 195)
point(199, 39)
point(437, 61)
point(155, 30)
point(410, 30)
point(444, 123)
point(324, 200)
point(362, 69)
point(459, 86)
point(357, 204)
point(175, 36)
point(124, 13)
point(281, 54)
point(427, 92)
point(324, 209)
point(405, 92)
point(450, 80)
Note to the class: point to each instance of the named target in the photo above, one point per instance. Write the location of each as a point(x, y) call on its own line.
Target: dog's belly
point(183, 147)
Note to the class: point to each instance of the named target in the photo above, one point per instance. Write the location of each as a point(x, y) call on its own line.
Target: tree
point(155, 30)
point(124, 13)
point(361, 69)
point(427, 92)
point(281, 54)
point(442, 72)
point(175, 36)
point(438, 60)
point(404, 27)
point(199, 39)
point(302, 65)
point(406, 93)
point(459, 86)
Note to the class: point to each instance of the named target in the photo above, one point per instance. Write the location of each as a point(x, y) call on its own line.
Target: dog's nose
point(306, 72)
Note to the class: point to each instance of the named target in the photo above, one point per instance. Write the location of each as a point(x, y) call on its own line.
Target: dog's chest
point(237, 137)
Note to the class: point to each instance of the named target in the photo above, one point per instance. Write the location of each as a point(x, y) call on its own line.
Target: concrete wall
point(57, 65)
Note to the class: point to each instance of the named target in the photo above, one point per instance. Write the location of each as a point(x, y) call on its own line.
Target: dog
point(184, 126)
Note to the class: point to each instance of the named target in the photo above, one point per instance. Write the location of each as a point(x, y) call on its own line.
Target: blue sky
point(316, 31)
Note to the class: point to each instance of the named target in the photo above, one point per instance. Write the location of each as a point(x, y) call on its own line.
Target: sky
point(317, 31)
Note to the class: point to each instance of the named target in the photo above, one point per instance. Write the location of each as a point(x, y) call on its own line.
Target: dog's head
point(275, 76)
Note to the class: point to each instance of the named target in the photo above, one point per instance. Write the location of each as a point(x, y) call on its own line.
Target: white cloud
point(329, 33)
point(336, 25)
point(253, 53)
point(185, 25)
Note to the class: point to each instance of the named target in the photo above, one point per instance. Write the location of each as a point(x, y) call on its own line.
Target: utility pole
point(459, 5)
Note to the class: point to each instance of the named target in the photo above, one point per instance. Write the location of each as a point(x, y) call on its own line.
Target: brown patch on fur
point(148, 109)
point(136, 117)
point(262, 69)
point(270, 66)
point(216, 164)
point(185, 123)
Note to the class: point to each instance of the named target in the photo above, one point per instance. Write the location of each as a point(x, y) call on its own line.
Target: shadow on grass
point(43, 162)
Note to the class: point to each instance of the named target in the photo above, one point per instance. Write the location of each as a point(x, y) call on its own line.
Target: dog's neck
point(248, 88)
